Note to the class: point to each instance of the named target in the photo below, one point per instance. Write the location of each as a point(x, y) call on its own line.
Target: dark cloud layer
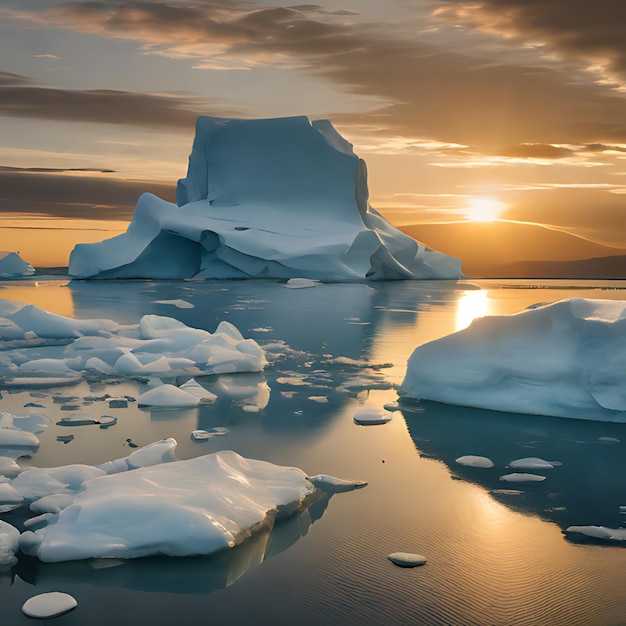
point(63, 195)
point(434, 94)
point(594, 31)
point(21, 97)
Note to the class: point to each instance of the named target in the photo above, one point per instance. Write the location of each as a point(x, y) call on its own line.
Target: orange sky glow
point(492, 131)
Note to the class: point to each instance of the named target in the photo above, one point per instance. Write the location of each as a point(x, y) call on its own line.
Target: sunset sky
point(493, 130)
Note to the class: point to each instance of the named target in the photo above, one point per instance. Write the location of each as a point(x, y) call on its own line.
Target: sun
point(484, 210)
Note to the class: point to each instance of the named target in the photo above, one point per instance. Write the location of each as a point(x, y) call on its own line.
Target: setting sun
point(484, 210)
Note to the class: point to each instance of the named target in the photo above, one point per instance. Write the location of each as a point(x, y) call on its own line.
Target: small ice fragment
point(407, 559)
point(118, 404)
point(33, 405)
point(598, 532)
point(200, 435)
point(181, 304)
point(65, 438)
point(533, 462)
point(471, 460)
point(301, 283)
point(609, 439)
point(332, 484)
point(48, 604)
point(522, 478)
point(622, 510)
point(370, 416)
point(319, 399)
point(76, 421)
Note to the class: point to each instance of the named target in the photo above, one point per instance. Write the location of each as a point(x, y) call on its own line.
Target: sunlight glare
point(471, 305)
point(484, 210)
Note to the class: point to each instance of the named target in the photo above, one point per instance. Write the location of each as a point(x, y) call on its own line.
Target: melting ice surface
point(564, 359)
point(284, 198)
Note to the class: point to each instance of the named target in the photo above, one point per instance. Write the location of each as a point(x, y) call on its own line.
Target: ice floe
point(598, 532)
point(156, 346)
point(520, 477)
point(564, 359)
point(268, 198)
point(407, 559)
point(51, 604)
point(471, 460)
point(370, 416)
point(136, 506)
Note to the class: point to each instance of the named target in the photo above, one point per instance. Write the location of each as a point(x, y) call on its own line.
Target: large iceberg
point(13, 266)
point(564, 359)
point(271, 198)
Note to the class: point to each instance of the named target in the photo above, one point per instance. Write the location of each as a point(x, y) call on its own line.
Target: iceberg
point(268, 198)
point(562, 359)
point(13, 266)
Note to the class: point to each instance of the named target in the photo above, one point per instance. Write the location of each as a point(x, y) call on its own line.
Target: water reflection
point(586, 489)
point(471, 304)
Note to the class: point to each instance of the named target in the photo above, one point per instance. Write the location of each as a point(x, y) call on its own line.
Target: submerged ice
point(281, 198)
point(564, 359)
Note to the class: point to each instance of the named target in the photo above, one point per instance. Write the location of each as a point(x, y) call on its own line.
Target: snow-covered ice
point(407, 559)
point(50, 604)
point(533, 463)
point(471, 460)
point(281, 198)
point(371, 416)
point(564, 359)
point(598, 532)
point(219, 499)
point(169, 396)
point(136, 506)
point(157, 345)
point(517, 477)
point(13, 266)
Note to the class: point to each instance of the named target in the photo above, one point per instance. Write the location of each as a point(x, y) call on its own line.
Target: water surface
point(496, 553)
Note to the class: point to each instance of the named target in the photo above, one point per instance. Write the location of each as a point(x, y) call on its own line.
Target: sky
point(493, 130)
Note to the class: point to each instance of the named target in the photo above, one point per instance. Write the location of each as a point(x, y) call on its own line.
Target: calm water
point(495, 556)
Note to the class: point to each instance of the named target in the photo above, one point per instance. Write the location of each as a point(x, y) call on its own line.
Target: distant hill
point(510, 250)
point(605, 267)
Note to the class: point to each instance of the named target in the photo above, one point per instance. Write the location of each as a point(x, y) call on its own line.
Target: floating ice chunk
point(319, 399)
point(181, 304)
point(369, 416)
point(566, 359)
point(598, 532)
point(533, 462)
point(14, 438)
point(24, 382)
point(13, 266)
point(153, 454)
point(608, 440)
point(407, 559)
point(274, 198)
point(332, 484)
point(218, 498)
point(168, 397)
point(9, 540)
point(201, 435)
point(8, 466)
point(33, 423)
point(51, 604)
point(301, 283)
point(522, 478)
point(475, 461)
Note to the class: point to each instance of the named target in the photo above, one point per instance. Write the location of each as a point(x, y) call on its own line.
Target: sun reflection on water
point(471, 304)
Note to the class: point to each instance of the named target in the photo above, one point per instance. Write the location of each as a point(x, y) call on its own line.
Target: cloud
point(432, 93)
point(73, 193)
point(21, 97)
point(589, 31)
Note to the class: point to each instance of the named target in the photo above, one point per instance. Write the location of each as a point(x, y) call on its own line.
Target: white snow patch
point(471, 460)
